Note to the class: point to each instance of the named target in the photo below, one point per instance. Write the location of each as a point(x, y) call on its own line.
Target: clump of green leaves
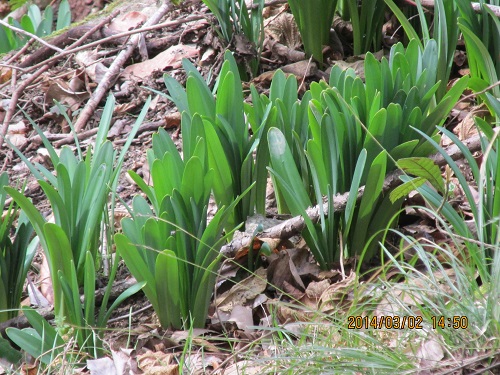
point(78, 195)
point(172, 247)
point(35, 22)
point(283, 110)
point(354, 127)
point(15, 255)
point(314, 19)
point(228, 142)
point(485, 206)
point(482, 42)
point(367, 19)
point(444, 31)
point(236, 21)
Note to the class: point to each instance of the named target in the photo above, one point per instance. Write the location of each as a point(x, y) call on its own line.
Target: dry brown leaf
point(430, 353)
point(315, 289)
point(281, 270)
point(243, 317)
point(304, 262)
point(337, 294)
point(18, 140)
point(170, 58)
point(128, 21)
point(244, 367)
point(301, 69)
point(201, 363)
point(5, 74)
point(287, 313)
point(60, 91)
point(246, 290)
point(150, 359)
point(292, 291)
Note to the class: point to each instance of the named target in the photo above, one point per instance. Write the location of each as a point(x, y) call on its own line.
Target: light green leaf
point(405, 189)
point(425, 168)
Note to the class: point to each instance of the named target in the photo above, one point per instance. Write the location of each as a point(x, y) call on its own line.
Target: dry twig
point(30, 35)
point(114, 70)
point(19, 89)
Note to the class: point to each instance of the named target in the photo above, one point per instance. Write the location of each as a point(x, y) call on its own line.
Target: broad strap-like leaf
point(169, 290)
point(137, 266)
point(405, 189)
point(425, 168)
point(283, 165)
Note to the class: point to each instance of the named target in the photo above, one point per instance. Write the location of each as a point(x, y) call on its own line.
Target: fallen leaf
point(243, 317)
point(246, 290)
point(281, 269)
point(60, 91)
point(101, 366)
point(170, 58)
point(430, 353)
point(128, 21)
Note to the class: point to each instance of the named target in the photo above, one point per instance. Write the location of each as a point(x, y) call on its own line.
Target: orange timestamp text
point(405, 322)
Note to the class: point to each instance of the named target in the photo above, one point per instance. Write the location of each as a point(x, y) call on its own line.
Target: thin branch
point(19, 89)
point(120, 35)
point(476, 6)
point(30, 35)
point(474, 94)
point(12, 67)
point(113, 72)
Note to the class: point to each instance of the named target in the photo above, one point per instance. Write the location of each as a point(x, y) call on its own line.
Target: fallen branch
point(113, 72)
point(121, 36)
point(19, 89)
point(476, 6)
point(295, 225)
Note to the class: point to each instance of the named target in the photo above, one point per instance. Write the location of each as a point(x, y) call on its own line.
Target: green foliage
point(36, 23)
point(78, 196)
point(236, 21)
point(314, 19)
point(424, 169)
point(367, 18)
point(482, 41)
point(8, 353)
point(445, 33)
point(323, 239)
point(353, 128)
point(222, 123)
point(485, 208)
point(172, 248)
point(42, 341)
point(15, 256)
point(447, 288)
point(14, 4)
point(283, 110)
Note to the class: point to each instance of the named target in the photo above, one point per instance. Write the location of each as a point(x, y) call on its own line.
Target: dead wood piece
point(290, 54)
point(114, 70)
point(161, 44)
point(296, 224)
point(119, 36)
point(65, 40)
point(476, 6)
